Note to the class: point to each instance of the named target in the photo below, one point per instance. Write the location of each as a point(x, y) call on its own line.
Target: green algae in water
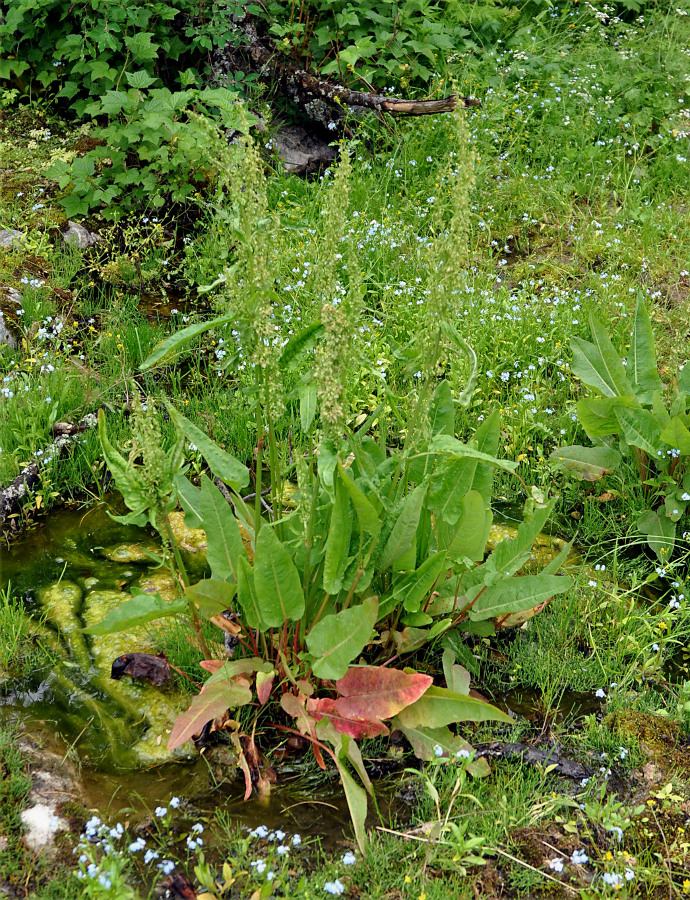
point(72, 571)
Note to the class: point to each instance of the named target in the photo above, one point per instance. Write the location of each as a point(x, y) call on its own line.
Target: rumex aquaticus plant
point(631, 414)
point(380, 550)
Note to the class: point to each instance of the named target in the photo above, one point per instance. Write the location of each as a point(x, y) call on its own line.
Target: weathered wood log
point(14, 495)
point(310, 92)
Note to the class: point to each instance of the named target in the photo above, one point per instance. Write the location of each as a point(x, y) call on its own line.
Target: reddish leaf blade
point(354, 727)
point(376, 692)
point(213, 701)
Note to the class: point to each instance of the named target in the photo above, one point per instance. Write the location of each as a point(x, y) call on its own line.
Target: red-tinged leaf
point(376, 692)
point(354, 727)
point(213, 701)
point(264, 686)
point(294, 706)
point(212, 665)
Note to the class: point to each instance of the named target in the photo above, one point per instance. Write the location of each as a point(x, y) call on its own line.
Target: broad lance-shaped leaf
point(660, 531)
point(176, 342)
point(377, 692)
point(598, 365)
point(443, 443)
point(247, 596)
point(338, 639)
point(640, 429)
point(425, 741)
point(325, 708)
point(224, 545)
point(403, 534)
point(356, 798)
point(442, 410)
point(278, 589)
point(415, 587)
point(190, 500)
point(677, 436)
point(141, 609)
point(369, 519)
point(458, 477)
point(222, 464)
point(642, 363)
point(587, 463)
point(206, 706)
point(515, 594)
point(439, 707)
point(472, 529)
point(510, 555)
point(211, 596)
point(338, 541)
point(597, 415)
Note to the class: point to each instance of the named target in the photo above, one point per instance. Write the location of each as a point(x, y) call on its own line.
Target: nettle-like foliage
point(158, 145)
point(381, 42)
point(80, 51)
point(380, 551)
point(632, 414)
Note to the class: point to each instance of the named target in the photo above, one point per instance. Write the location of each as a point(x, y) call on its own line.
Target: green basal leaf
point(515, 594)
point(337, 640)
point(439, 707)
point(337, 541)
point(677, 436)
point(278, 588)
point(660, 531)
point(223, 539)
point(403, 535)
point(369, 519)
point(247, 596)
point(642, 364)
point(598, 365)
point(211, 596)
point(442, 443)
point(640, 429)
point(142, 608)
point(587, 463)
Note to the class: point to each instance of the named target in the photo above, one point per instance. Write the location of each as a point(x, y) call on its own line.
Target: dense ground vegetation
point(579, 206)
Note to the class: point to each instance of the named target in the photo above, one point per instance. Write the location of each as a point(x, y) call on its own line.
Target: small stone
point(79, 236)
point(6, 336)
point(302, 153)
point(41, 824)
point(11, 238)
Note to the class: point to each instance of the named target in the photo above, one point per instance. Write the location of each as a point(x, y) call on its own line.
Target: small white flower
point(296, 840)
point(579, 858)
point(334, 887)
point(600, 693)
point(556, 865)
point(438, 750)
point(349, 859)
point(160, 811)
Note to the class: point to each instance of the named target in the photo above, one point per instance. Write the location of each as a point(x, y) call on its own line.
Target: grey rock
point(11, 294)
point(79, 236)
point(6, 336)
point(10, 238)
point(302, 152)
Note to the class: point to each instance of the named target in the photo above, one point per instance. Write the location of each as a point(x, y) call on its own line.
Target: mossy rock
point(658, 738)
point(193, 540)
point(161, 582)
point(129, 553)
